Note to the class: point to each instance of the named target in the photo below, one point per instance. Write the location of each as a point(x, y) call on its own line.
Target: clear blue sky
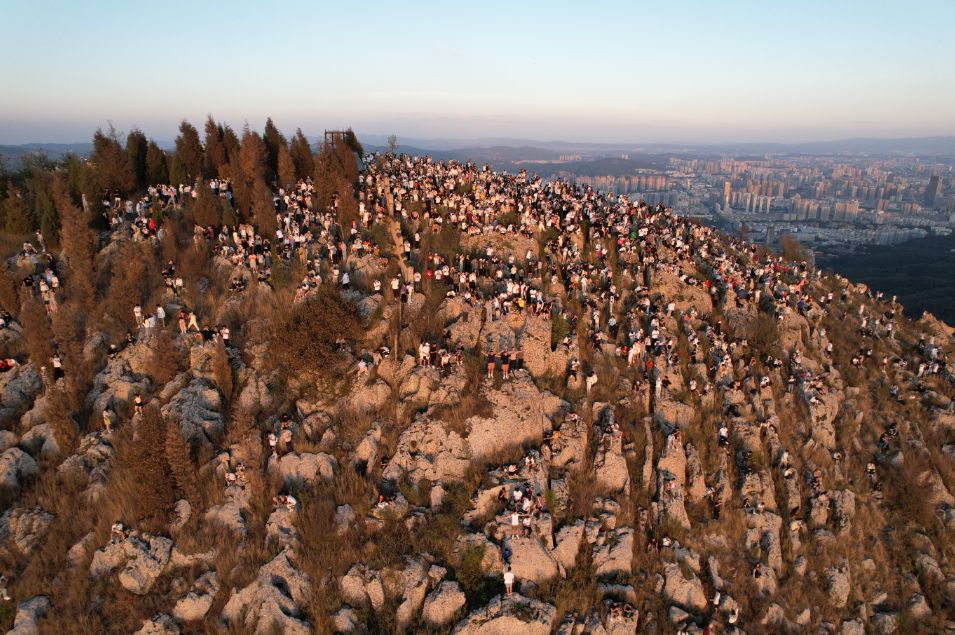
point(592, 71)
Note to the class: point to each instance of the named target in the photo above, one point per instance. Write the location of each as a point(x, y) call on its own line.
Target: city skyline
point(736, 72)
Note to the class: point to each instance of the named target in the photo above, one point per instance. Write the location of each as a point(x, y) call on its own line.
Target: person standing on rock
point(509, 580)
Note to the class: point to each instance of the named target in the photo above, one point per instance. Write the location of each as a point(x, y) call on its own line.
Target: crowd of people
point(592, 262)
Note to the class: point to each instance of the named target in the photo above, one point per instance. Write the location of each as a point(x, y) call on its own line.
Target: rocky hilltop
point(397, 395)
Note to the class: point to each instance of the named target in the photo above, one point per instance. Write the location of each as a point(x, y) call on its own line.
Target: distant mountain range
point(53, 151)
point(509, 152)
point(942, 145)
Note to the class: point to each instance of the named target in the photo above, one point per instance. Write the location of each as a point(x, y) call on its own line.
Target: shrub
point(309, 337)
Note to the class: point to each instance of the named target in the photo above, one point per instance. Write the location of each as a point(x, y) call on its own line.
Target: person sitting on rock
point(117, 533)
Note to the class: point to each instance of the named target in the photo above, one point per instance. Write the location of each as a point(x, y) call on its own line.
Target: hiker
point(108, 420)
point(509, 580)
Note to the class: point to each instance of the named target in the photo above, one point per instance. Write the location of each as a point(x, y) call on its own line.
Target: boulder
point(682, 591)
point(362, 587)
point(24, 527)
point(531, 561)
point(197, 410)
point(280, 528)
point(196, 603)
point(366, 398)
point(116, 385)
point(615, 556)
point(520, 414)
point(443, 604)
point(92, 461)
point(540, 360)
point(671, 415)
point(29, 613)
point(839, 585)
point(274, 600)
point(301, 470)
point(160, 624)
point(427, 450)
point(16, 466)
point(610, 467)
point(569, 540)
point(346, 620)
point(507, 615)
point(146, 560)
point(571, 448)
point(40, 442)
point(366, 454)
point(18, 388)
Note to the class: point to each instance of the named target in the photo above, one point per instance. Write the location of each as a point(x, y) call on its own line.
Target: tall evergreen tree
point(286, 170)
point(111, 165)
point(79, 247)
point(274, 142)
point(189, 152)
point(136, 148)
point(216, 156)
point(157, 171)
point(302, 157)
point(17, 218)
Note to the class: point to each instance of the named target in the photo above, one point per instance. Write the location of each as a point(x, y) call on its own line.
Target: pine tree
point(274, 142)
point(157, 170)
point(286, 169)
point(16, 216)
point(252, 156)
point(8, 293)
point(149, 469)
point(79, 246)
point(181, 465)
point(222, 370)
point(263, 208)
point(301, 152)
point(189, 152)
point(110, 162)
point(206, 209)
point(136, 148)
point(39, 337)
point(232, 144)
point(60, 417)
point(216, 157)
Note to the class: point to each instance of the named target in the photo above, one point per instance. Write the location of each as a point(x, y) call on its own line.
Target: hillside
point(918, 272)
point(412, 396)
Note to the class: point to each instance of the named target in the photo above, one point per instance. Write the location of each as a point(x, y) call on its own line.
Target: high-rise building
point(931, 192)
point(727, 188)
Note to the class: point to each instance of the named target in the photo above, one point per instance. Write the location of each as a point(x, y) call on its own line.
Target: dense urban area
point(258, 383)
point(834, 204)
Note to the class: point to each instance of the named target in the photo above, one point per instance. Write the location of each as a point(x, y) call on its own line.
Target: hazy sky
point(591, 71)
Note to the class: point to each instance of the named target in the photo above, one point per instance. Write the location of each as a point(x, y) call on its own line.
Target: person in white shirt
point(509, 580)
